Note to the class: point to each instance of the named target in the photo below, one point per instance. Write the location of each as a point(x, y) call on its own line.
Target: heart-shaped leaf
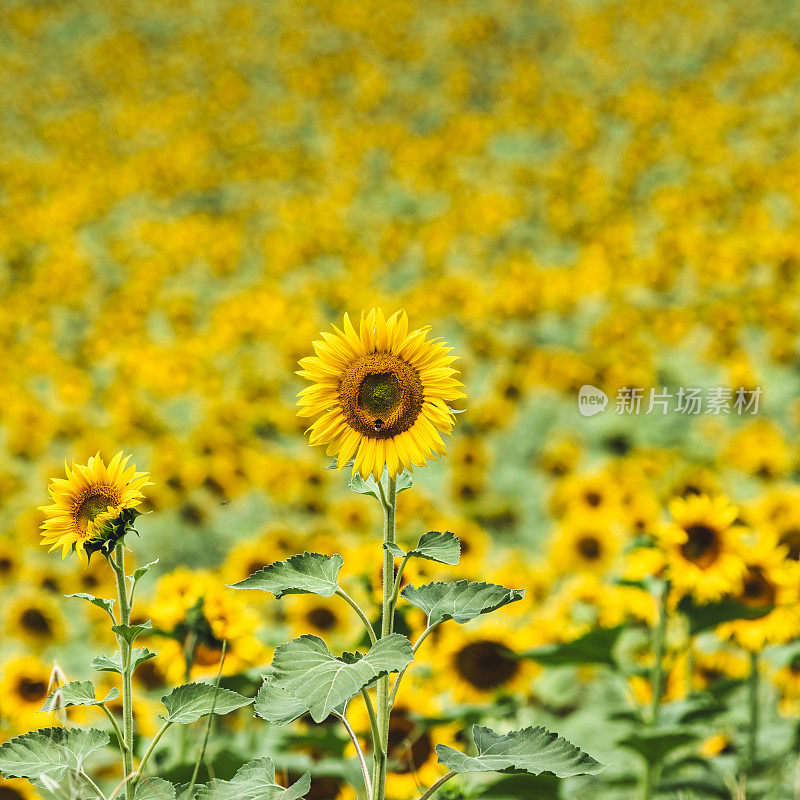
point(100, 602)
point(255, 781)
point(309, 671)
point(187, 703)
point(130, 632)
point(531, 750)
point(113, 663)
point(49, 752)
point(76, 693)
point(594, 647)
point(308, 573)
point(460, 600)
point(433, 545)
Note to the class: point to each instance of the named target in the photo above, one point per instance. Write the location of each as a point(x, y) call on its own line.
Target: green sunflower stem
point(389, 502)
point(118, 565)
point(752, 697)
point(657, 679)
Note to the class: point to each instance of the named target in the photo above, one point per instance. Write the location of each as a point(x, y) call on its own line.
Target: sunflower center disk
point(94, 504)
point(381, 395)
point(702, 545)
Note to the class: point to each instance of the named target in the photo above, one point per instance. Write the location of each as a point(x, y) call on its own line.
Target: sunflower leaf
point(130, 632)
point(307, 573)
point(100, 602)
point(594, 647)
point(49, 752)
point(308, 670)
point(76, 693)
point(531, 750)
point(655, 745)
point(459, 600)
point(153, 789)
point(369, 485)
point(434, 546)
point(186, 704)
point(278, 706)
point(255, 781)
point(139, 573)
point(113, 663)
point(704, 617)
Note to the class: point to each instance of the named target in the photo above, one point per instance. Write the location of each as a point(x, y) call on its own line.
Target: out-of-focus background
point(572, 193)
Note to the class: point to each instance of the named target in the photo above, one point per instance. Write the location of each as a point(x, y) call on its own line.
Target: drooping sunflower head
point(380, 394)
point(94, 506)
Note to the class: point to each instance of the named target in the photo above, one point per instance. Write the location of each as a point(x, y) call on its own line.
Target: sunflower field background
point(581, 193)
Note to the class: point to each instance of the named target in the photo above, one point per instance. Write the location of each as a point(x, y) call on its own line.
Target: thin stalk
point(362, 616)
point(210, 721)
point(752, 697)
point(118, 565)
point(380, 752)
point(441, 782)
point(89, 782)
point(397, 580)
point(653, 768)
point(145, 758)
point(359, 752)
point(122, 743)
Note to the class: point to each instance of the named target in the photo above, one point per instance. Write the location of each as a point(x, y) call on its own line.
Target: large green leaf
point(460, 600)
point(594, 647)
point(186, 704)
point(153, 789)
point(113, 663)
point(76, 693)
point(278, 706)
point(531, 750)
point(308, 573)
point(704, 617)
point(255, 781)
point(309, 671)
point(49, 752)
point(100, 602)
point(433, 545)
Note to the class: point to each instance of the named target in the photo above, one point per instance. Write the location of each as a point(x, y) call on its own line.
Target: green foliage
point(531, 750)
point(705, 617)
point(308, 670)
point(255, 781)
point(76, 693)
point(460, 600)
point(434, 546)
point(594, 647)
point(277, 705)
point(656, 744)
point(308, 573)
point(49, 752)
point(100, 602)
point(186, 704)
point(153, 789)
point(130, 632)
point(369, 485)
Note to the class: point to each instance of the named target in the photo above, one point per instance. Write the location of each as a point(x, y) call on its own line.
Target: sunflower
point(787, 681)
point(17, 789)
point(703, 547)
point(382, 394)
point(585, 543)
point(24, 686)
point(333, 621)
point(93, 507)
point(34, 619)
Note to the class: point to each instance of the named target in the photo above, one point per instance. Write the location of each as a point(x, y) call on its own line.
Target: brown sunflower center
point(408, 748)
point(381, 395)
point(7, 793)
point(31, 690)
point(757, 589)
point(794, 665)
point(34, 621)
point(589, 547)
point(321, 618)
point(95, 501)
point(486, 664)
point(791, 538)
point(702, 545)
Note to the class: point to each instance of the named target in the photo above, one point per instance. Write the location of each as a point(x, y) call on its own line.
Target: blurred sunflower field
point(589, 200)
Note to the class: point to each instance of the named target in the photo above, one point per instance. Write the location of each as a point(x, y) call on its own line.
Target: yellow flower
point(703, 547)
point(18, 789)
point(585, 543)
point(35, 619)
point(382, 394)
point(89, 505)
point(715, 745)
point(24, 686)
